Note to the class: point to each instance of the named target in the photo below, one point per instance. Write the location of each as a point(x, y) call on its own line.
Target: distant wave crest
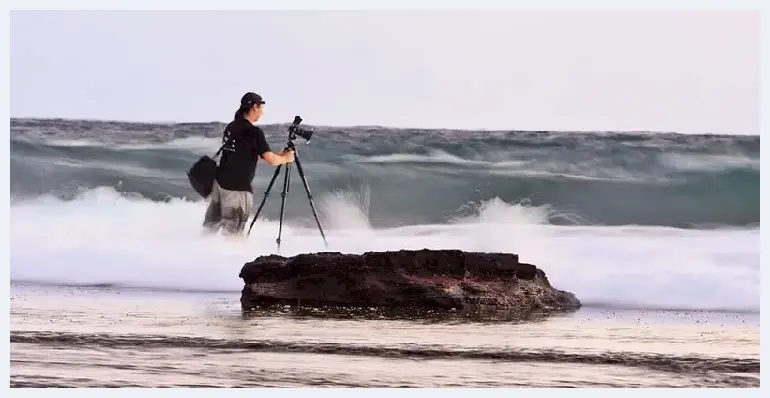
point(420, 176)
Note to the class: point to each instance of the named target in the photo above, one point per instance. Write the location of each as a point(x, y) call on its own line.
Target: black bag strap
point(219, 151)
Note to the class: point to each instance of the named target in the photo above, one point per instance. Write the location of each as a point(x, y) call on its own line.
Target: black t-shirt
point(238, 163)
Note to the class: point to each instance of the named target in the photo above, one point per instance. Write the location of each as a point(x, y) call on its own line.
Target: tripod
point(286, 180)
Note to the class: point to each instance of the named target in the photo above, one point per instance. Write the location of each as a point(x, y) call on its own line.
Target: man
point(231, 199)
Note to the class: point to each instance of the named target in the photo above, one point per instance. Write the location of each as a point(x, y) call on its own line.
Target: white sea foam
point(105, 238)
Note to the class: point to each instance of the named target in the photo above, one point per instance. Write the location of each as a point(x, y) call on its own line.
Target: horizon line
point(342, 126)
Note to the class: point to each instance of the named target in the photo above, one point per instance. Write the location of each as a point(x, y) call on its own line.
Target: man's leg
point(236, 209)
point(213, 217)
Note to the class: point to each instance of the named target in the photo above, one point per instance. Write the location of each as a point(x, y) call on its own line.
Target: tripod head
point(295, 131)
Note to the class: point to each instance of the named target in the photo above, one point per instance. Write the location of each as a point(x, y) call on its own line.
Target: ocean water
point(648, 225)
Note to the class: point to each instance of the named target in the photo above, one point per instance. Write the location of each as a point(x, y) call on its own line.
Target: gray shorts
point(227, 209)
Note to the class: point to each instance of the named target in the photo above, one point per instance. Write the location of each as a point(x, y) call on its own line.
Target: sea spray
point(108, 203)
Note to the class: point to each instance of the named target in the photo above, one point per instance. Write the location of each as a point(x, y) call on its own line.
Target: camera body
point(295, 130)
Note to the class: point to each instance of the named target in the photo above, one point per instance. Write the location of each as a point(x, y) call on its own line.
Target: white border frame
point(376, 5)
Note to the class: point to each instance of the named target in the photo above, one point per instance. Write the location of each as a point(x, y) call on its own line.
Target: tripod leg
point(287, 173)
point(309, 196)
point(264, 197)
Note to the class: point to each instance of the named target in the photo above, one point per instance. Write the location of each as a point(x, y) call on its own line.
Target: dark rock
point(426, 279)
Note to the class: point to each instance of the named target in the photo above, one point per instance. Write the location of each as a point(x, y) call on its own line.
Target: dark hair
point(239, 113)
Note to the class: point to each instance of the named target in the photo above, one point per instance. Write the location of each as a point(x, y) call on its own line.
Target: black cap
point(250, 99)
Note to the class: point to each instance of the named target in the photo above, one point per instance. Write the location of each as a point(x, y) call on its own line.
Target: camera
point(295, 130)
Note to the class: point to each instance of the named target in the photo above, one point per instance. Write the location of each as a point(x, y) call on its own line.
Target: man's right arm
point(265, 153)
point(275, 159)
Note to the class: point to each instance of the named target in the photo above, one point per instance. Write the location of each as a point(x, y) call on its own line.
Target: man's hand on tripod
point(288, 155)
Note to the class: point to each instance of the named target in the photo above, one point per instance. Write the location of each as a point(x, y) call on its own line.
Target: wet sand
point(112, 337)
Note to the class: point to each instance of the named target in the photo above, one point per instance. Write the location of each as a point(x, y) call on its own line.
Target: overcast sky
point(662, 71)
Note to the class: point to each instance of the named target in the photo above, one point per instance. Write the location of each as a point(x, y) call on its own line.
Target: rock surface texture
point(405, 279)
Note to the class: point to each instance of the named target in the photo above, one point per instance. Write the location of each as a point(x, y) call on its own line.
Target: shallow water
point(105, 336)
